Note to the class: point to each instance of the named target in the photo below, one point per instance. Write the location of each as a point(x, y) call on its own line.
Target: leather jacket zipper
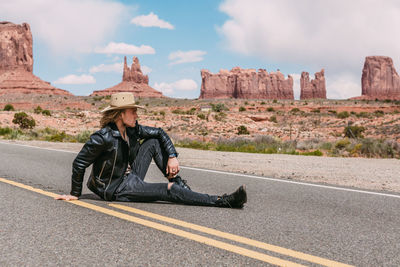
point(101, 172)
point(112, 172)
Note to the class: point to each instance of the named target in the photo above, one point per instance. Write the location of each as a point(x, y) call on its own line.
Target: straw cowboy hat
point(122, 101)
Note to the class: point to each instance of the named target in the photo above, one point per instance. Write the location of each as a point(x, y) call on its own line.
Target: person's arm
point(89, 152)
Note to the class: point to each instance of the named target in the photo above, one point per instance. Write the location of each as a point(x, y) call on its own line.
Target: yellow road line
point(205, 240)
point(236, 238)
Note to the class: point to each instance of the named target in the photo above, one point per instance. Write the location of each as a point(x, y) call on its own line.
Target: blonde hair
point(110, 116)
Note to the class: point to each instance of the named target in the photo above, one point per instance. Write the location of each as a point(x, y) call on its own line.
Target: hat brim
point(122, 107)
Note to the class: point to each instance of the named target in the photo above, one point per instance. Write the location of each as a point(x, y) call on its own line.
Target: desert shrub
point(220, 116)
point(191, 111)
point(246, 103)
point(242, 130)
point(218, 107)
point(178, 111)
point(379, 148)
point(23, 120)
point(162, 113)
point(312, 153)
point(343, 143)
point(270, 109)
point(38, 110)
point(5, 131)
point(84, 136)
point(353, 113)
point(379, 113)
point(316, 110)
point(8, 107)
point(273, 119)
point(354, 131)
point(242, 109)
point(201, 116)
point(332, 111)
point(46, 112)
point(363, 114)
point(57, 137)
point(275, 101)
point(295, 110)
point(343, 115)
point(262, 103)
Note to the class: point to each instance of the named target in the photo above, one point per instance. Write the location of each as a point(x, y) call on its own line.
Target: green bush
point(46, 112)
point(312, 153)
point(379, 113)
point(295, 110)
point(363, 114)
point(242, 109)
point(316, 110)
point(273, 119)
point(24, 121)
point(343, 115)
point(262, 103)
point(242, 130)
point(275, 101)
point(270, 109)
point(5, 131)
point(220, 116)
point(341, 144)
point(354, 131)
point(218, 107)
point(8, 107)
point(191, 111)
point(178, 111)
point(162, 113)
point(201, 116)
point(58, 137)
point(83, 137)
point(332, 111)
point(38, 110)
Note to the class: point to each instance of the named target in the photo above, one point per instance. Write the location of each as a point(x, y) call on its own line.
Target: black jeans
point(134, 188)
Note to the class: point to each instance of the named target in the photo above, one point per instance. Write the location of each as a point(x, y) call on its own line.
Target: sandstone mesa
point(16, 63)
point(133, 80)
point(246, 83)
point(380, 79)
point(315, 88)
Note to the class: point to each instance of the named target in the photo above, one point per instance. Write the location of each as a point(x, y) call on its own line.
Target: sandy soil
point(371, 174)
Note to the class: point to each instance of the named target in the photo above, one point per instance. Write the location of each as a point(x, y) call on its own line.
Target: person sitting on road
point(121, 153)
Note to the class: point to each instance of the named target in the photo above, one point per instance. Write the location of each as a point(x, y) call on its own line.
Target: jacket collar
point(114, 130)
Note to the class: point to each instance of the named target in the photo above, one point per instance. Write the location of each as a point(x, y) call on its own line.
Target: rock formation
point(133, 81)
point(380, 79)
point(312, 89)
point(16, 62)
point(246, 83)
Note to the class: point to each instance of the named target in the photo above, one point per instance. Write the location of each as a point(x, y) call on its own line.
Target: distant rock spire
point(315, 88)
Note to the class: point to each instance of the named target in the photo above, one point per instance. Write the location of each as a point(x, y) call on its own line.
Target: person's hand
point(66, 197)
point(172, 167)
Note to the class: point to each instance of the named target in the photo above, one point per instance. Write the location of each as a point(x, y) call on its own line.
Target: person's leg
point(150, 149)
point(133, 188)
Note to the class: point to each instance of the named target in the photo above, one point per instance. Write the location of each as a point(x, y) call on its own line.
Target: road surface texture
point(284, 223)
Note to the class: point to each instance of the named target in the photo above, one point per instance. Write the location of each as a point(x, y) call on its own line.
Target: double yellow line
point(196, 237)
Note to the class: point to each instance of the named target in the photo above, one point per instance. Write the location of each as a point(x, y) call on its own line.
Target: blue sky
point(79, 45)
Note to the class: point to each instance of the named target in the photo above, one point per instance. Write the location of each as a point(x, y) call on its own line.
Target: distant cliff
point(246, 83)
point(315, 88)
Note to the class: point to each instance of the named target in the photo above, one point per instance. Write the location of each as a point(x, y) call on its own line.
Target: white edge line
point(243, 175)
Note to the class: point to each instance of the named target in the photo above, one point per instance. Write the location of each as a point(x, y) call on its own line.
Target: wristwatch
point(173, 155)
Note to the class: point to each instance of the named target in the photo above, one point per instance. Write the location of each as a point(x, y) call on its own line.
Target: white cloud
point(180, 85)
point(126, 49)
point(67, 26)
point(179, 57)
point(343, 86)
point(146, 70)
point(75, 79)
point(335, 35)
point(116, 67)
point(151, 20)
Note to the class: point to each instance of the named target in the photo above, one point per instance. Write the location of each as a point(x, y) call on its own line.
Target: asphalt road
point(283, 223)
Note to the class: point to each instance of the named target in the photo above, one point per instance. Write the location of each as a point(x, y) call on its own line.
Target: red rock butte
point(246, 83)
point(315, 88)
point(133, 81)
point(379, 79)
point(16, 63)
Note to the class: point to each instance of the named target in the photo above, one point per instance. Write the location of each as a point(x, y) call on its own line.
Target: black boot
point(234, 200)
point(179, 181)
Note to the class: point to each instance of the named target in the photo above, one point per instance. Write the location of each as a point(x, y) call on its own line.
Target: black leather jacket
point(110, 154)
